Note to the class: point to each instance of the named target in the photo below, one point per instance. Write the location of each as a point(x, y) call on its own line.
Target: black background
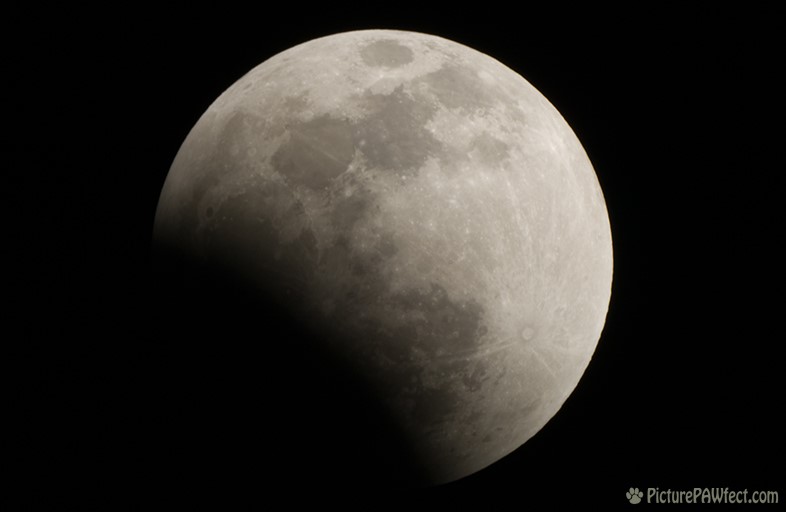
point(680, 110)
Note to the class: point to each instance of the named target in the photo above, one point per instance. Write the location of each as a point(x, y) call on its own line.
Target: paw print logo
point(634, 495)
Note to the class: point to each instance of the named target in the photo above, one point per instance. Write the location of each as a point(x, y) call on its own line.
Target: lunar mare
point(428, 209)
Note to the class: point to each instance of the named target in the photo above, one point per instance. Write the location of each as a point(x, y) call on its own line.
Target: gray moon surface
point(427, 209)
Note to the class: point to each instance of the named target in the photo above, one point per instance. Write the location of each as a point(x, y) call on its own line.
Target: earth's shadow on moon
point(252, 398)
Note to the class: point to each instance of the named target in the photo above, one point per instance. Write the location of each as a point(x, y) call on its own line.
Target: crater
point(386, 53)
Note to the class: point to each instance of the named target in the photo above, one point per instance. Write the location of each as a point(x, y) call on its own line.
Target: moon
point(427, 212)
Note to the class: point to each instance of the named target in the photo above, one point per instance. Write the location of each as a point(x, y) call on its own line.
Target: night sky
point(681, 112)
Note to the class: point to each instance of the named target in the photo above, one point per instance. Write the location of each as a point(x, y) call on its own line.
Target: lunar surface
point(427, 211)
